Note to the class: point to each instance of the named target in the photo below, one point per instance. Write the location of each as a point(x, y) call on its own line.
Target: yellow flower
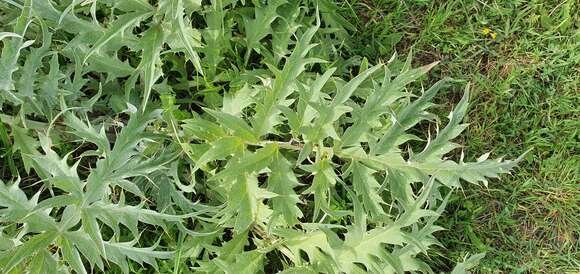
point(488, 32)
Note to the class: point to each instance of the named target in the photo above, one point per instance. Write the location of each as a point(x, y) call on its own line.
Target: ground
point(522, 59)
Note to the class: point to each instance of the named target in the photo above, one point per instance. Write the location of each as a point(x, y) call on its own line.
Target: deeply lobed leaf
point(219, 137)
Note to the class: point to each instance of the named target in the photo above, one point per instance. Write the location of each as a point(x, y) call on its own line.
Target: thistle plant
point(221, 136)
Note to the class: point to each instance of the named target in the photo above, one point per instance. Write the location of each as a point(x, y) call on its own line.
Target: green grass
point(525, 86)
